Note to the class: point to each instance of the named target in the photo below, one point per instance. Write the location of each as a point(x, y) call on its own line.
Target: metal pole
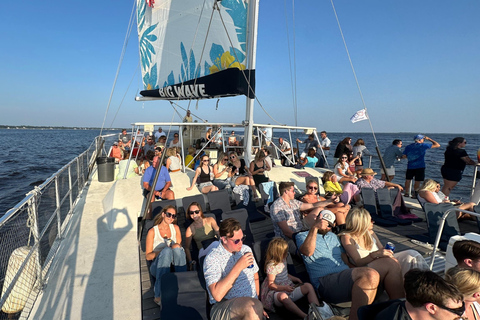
point(320, 146)
point(292, 155)
point(251, 64)
point(57, 200)
point(180, 135)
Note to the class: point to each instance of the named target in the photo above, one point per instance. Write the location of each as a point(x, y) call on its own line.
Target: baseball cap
point(303, 155)
point(329, 216)
point(419, 137)
point(115, 143)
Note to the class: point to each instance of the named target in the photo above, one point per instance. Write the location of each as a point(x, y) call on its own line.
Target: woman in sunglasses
point(222, 172)
point(203, 230)
point(467, 282)
point(339, 209)
point(164, 247)
point(204, 176)
point(342, 170)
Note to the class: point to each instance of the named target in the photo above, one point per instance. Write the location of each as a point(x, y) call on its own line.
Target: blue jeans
point(162, 262)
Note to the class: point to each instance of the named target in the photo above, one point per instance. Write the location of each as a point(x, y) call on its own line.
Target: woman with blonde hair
point(280, 288)
point(174, 163)
point(222, 173)
point(467, 282)
point(430, 192)
point(164, 247)
point(365, 249)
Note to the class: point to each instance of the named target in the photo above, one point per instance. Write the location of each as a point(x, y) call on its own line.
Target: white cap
point(329, 216)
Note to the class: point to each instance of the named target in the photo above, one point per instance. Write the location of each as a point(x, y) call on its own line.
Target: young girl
point(279, 288)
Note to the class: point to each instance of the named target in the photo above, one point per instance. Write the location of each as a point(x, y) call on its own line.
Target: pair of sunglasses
point(193, 212)
point(238, 240)
point(170, 215)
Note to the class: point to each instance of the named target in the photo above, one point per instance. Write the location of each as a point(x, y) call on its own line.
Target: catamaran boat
point(74, 247)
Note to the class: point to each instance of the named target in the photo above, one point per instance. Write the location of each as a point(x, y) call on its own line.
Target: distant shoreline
point(25, 127)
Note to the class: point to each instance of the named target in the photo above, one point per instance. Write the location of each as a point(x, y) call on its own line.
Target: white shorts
point(294, 295)
point(390, 171)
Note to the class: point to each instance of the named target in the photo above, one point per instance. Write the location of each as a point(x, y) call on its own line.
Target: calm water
point(31, 156)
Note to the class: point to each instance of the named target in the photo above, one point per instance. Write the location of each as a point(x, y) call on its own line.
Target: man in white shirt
point(325, 145)
point(286, 149)
point(159, 133)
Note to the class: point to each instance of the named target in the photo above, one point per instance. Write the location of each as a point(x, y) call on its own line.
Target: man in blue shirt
point(415, 153)
point(162, 188)
point(325, 260)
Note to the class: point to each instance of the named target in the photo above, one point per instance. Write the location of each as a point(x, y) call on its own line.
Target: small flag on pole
point(359, 116)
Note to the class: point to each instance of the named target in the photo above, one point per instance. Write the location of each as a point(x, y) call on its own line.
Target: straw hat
point(368, 172)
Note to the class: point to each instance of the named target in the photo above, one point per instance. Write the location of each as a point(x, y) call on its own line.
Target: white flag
point(359, 116)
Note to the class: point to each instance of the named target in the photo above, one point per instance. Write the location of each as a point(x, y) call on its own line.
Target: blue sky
point(417, 63)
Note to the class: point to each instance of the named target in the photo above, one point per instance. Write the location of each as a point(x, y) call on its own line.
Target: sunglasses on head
point(170, 215)
point(191, 212)
point(238, 240)
point(458, 311)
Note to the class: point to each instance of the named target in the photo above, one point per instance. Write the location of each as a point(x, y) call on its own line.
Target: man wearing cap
point(415, 153)
point(368, 181)
point(159, 133)
point(398, 206)
point(325, 260)
point(150, 145)
point(116, 152)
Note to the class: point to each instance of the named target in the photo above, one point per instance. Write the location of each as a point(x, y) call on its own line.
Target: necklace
point(164, 230)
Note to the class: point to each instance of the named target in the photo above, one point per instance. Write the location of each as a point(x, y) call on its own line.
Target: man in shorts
point(231, 276)
point(285, 147)
point(391, 154)
point(415, 153)
point(428, 296)
point(324, 257)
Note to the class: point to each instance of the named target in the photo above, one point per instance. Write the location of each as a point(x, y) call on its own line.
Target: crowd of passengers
point(351, 266)
point(334, 238)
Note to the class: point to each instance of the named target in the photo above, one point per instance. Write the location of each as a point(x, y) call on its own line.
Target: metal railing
point(440, 230)
point(31, 233)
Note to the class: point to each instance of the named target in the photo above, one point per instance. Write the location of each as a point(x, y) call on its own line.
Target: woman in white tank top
point(164, 247)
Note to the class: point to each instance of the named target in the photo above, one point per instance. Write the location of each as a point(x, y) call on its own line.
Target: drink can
point(390, 246)
point(250, 266)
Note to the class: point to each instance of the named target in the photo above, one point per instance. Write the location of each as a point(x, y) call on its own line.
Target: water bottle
point(390, 246)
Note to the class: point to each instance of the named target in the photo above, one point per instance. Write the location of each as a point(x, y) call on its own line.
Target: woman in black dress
point(456, 158)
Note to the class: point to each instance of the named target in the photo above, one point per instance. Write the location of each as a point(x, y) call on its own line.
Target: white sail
point(192, 43)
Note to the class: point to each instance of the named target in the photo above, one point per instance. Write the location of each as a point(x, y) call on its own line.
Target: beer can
point(390, 246)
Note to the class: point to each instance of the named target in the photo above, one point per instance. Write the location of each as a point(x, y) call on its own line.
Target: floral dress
point(281, 278)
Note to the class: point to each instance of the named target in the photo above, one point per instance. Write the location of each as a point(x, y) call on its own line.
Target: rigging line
point(294, 62)
point(244, 76)
point(126, 91)
point(122, 55)
point(353, 70)
point(289, 56)
point(171, 101)
point(175, 109)
point(193, 43)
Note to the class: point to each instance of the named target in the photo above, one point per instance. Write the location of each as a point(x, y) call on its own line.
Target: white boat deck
point(96, 274)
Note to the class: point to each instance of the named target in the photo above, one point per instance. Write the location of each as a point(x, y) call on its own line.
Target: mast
point(252, 27)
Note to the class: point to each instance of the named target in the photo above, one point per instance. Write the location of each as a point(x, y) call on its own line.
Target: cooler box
point(450, 261)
